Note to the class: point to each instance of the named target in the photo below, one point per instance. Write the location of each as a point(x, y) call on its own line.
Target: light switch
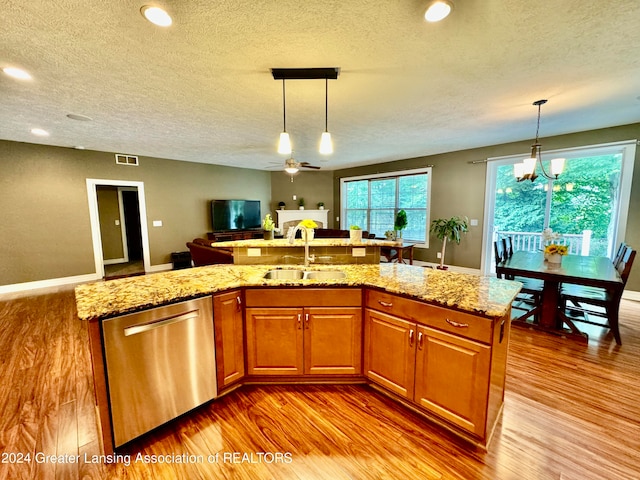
point(473, 222)
point(157, 223)
point(117, 223)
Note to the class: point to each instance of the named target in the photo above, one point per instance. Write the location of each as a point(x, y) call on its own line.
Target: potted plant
point(400, 223)
point(355, 233)
point(281, 205)
point(448, 229)
point(301, 204)
point(268, 225)
point(320, 205)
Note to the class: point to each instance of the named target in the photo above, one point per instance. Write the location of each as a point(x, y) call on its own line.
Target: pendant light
point(527, 169)
point(284, 145)
point(326, 145)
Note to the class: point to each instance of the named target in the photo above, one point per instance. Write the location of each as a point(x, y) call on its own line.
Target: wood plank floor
point(572, 412)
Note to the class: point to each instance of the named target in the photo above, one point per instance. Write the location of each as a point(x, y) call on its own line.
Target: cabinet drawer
point(453, 321)
point(303, 297)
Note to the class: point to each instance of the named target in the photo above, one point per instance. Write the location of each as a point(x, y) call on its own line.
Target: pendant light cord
point(284, 108)
point(326, 104)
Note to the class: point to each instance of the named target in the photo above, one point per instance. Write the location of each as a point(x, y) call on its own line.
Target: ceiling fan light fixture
point(438, 10)
point(156, 15)
point(291, 170)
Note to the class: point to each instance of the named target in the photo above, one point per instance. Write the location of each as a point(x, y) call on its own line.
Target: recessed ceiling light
point(76, 116)
point(17, 73)
point(40, 132)
point(156, 15)
point(438, 10)
point(79, 147)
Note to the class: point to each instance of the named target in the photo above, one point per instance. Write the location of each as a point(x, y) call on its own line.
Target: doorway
point(118, 225)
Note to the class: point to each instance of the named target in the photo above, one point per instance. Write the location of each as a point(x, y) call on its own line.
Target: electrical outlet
point(439, 255)
point(157, 223)
point(295, 197)
point(253, 252)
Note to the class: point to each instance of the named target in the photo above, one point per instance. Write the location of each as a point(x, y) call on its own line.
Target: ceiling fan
point(291, 166)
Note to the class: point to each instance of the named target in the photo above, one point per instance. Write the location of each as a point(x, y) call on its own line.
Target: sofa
point(336, 233)
point(202, 253)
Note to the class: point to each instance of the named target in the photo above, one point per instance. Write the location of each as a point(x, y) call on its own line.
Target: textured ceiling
point(201, 90)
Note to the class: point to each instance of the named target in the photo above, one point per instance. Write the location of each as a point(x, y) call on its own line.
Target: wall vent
point(126, 159)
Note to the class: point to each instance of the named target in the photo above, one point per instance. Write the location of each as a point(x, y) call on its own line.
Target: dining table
point(399, 253)
point(594, 271)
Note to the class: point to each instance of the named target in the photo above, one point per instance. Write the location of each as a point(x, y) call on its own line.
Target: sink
point(300, 275)
point(284, 275)
point(325, 275)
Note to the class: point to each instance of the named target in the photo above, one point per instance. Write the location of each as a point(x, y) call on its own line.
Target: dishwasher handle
point(163, 322)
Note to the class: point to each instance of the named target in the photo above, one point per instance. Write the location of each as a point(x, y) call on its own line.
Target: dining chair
point(529, 299)
point(591, 301)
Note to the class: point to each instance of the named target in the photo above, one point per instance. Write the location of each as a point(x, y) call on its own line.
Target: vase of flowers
point(268, 226)
point(553, 254)
point(307, 229)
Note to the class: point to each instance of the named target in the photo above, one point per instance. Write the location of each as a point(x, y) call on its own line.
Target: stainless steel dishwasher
point(160, 364)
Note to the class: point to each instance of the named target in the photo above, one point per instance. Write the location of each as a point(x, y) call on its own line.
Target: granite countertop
point(476, 294)
point(317, 242)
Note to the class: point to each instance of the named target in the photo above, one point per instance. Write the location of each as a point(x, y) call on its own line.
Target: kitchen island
point(432, 340)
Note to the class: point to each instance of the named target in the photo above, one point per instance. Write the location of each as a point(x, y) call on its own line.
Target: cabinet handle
point(238, 302)
point(306, 320)
point(385, 304)
point(420, 340)
point(411, 338)
point(457, 324)
point(299, 321)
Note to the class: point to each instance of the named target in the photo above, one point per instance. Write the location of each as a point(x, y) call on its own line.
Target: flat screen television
point(235, 214)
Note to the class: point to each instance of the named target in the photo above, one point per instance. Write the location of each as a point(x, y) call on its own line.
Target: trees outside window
point(373, 201)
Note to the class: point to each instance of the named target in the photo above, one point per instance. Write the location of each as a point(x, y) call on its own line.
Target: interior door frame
point(94, 217)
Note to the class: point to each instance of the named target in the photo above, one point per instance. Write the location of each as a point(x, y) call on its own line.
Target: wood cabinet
point(458, 376)
point(283, 339)
point(229, 337)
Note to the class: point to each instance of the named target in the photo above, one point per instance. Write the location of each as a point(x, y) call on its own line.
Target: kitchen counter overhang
point(479, 295)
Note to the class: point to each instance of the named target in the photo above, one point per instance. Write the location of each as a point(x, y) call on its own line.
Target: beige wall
point(109, 212)
point(313, 186)
point(45, 229)
point(458, 188)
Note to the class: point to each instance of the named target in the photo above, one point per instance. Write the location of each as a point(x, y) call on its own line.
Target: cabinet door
point(389, 352)
point(452, 378)
point(227, 321)
point(274, 341)
point(332, 341)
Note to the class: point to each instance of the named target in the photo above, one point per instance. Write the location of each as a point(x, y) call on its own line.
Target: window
point(587, 204)
point(373, 201)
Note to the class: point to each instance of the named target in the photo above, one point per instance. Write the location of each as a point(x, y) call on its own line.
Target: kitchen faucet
point(291, 235)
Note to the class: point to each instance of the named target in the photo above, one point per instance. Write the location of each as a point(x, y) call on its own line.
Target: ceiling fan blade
point(307, 165)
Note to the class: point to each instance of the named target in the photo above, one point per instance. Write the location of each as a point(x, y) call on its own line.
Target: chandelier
point(526, 170)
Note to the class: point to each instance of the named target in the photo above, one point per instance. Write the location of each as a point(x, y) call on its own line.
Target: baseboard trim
point(160, 268)
point(50, 283)
point(631, 295)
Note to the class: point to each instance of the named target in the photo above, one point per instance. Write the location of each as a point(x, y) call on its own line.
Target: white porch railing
point(579, 244)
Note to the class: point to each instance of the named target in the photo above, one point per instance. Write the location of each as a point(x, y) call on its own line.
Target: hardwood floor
point(571, 412)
